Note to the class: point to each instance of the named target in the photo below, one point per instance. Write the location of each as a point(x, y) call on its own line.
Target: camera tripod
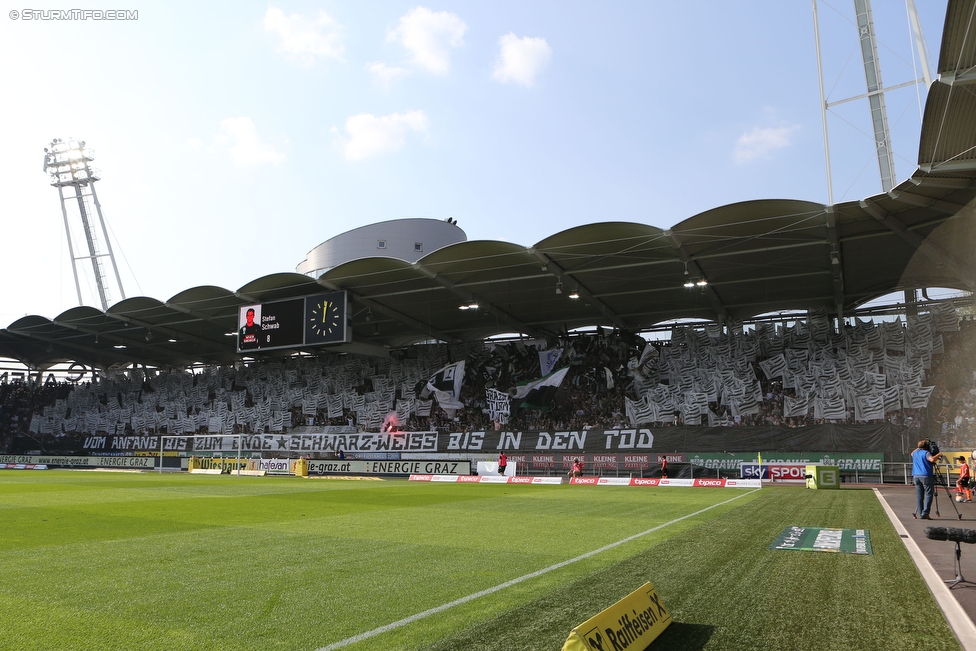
point(940, 480)
point(957, 567)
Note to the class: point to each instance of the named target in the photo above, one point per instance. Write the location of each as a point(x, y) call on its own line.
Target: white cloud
point(521, 59)
point(371, 136)
point(428, 36)
point(759, 142)
point(240, 136)
point(304, 39)
point(384, 74)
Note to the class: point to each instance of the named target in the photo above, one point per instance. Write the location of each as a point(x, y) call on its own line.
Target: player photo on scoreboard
point(249, 328)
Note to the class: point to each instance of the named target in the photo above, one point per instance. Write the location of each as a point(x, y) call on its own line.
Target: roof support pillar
point(836, 262)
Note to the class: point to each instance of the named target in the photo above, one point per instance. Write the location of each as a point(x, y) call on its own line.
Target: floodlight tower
point(67, 161)
point(875, 89)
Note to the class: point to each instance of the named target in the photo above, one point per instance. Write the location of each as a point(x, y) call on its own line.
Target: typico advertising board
point(592, 481)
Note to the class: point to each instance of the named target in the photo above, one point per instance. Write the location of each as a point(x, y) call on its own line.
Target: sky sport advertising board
point(775, 471)
point(293, 323)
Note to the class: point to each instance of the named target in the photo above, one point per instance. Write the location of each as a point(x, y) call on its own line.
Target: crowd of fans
point(953, 406)
point(19, 400)
point(605, 370)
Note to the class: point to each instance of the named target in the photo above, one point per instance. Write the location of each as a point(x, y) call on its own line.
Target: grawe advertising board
point(846, 461)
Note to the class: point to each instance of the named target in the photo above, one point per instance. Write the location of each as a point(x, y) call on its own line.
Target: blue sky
point(235, 137)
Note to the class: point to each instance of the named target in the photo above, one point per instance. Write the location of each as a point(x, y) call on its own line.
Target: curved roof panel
point(948, 139)
point(274, 287)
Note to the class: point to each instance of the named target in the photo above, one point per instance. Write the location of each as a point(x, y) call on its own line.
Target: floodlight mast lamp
point(67, 162)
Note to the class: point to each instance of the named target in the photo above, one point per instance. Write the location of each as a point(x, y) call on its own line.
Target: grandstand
point(802, 388)
point(773, 313)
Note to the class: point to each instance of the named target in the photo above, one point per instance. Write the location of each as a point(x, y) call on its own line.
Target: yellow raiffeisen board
point(632, 623)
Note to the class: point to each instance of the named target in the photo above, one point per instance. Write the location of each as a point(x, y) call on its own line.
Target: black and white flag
point(892, 398)
point(793, 407)
point(744, 405)
point(691, 413)
point(548, 359)
point(445, 385)
point(641, 411)
point(869, 408)
point(537, 394)
point(649, 353)
point(774, 366)
point(833, 408)
point(916, 397)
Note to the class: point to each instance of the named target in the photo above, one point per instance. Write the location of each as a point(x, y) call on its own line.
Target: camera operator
point(923, 475)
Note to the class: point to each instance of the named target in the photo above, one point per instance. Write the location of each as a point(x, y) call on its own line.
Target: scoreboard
point(294, 323)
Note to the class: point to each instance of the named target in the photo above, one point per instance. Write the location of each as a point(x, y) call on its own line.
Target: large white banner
point(498, 405)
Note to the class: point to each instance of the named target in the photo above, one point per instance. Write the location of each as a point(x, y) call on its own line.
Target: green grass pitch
point(95, 560)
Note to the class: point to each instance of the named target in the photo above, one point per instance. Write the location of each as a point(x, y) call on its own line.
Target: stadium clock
point(325, 318)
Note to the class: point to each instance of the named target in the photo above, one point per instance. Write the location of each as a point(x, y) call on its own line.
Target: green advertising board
point(823, 477)
point(817, 539)
point(845, 461)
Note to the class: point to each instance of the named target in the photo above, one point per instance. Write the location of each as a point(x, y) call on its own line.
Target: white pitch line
point(956, 617)
point(501, 586)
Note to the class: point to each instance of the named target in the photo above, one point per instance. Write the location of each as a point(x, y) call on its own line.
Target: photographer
point(923, 475)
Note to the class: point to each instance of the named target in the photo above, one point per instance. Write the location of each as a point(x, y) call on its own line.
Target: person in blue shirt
point(923, 475)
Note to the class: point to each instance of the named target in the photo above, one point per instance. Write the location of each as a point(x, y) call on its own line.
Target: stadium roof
point(756, 257)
